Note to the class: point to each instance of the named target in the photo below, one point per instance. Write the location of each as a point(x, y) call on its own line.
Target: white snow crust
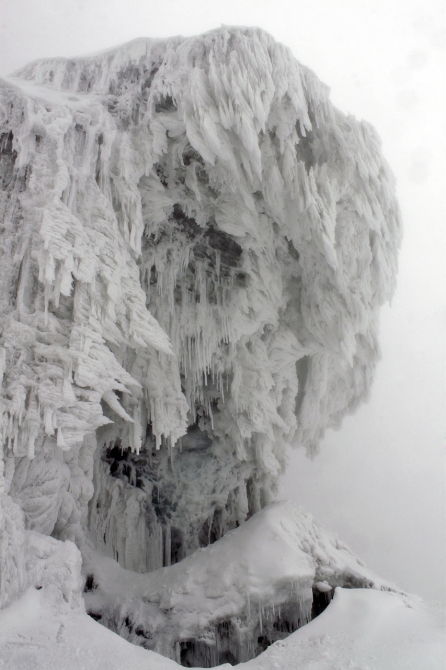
point(361, 629)
point(195, 245)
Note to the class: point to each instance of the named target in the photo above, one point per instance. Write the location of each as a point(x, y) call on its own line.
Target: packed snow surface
point(361, 629)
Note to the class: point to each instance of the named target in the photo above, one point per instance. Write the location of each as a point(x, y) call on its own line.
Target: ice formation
point(194, 248)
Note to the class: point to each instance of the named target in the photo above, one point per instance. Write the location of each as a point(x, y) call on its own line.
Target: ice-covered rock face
point(195, 247)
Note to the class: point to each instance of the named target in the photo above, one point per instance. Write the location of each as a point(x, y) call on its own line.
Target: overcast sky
point(379, 481)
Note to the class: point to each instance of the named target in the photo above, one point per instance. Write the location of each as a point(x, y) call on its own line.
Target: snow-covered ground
point(361, 629)
point(268, 563)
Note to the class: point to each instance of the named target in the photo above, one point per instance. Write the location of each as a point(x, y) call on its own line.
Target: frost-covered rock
point(194, 248)
point(35, 560)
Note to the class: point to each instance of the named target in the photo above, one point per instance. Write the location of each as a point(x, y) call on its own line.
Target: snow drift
point(195, 246)
point(229, 601)
point(362, 628)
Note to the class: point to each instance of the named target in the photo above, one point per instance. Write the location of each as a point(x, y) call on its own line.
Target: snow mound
point(364, 630)
point(361, 629)
point(233, 598)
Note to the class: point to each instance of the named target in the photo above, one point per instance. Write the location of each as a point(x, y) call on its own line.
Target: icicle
point(2, 363)
point(168, 544)
point(60, 440)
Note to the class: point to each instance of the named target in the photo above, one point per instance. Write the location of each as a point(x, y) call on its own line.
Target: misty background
point(379, 481)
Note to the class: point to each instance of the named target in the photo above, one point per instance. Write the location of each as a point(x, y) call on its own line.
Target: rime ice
point(195, 247)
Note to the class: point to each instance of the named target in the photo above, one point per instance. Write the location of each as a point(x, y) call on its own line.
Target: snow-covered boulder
point(232, 599)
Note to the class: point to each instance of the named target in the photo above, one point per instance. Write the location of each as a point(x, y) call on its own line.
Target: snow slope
point(229, 600)
point(361, 629)
point(244, 580)
point(364, 630)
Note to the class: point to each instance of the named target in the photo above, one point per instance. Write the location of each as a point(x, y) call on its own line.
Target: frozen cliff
point(195, 245)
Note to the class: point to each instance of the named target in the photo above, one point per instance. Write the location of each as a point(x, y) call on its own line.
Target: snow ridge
point(228, 601)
